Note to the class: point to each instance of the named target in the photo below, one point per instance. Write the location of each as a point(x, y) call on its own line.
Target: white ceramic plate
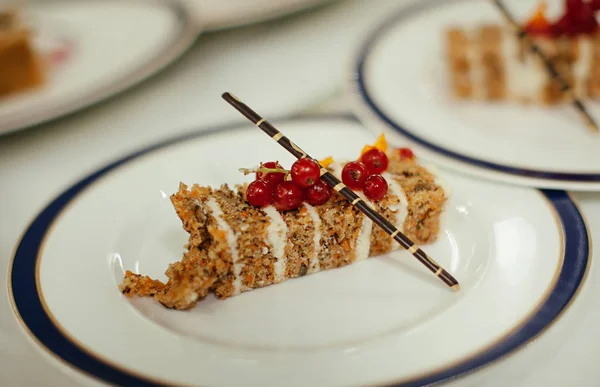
point(519, 254)
point(99, 48)
point(220, 14)
point(402, 87)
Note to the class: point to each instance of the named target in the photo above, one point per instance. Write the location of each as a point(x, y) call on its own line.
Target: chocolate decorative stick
point(346, 192)
point(549, 64)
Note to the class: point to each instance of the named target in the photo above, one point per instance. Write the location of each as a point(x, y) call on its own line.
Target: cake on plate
point(490, 63)
point(286, 224)
point(21, 67)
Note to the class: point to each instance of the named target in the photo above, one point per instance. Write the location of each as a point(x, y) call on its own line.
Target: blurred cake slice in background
point(21, 66)
point(490, 63)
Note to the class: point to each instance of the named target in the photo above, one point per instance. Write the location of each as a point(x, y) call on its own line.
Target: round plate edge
point(366, 109)
point(54, 208)
point(189, 31)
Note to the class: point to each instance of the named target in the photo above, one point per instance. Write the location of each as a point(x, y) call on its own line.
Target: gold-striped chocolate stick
point(346, 192)
point(549, 65)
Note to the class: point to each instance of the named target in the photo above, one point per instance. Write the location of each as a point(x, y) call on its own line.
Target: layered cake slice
point(490, 62)
point(240, 239)
point(21, 67)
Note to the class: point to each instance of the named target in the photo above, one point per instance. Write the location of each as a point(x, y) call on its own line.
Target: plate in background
point(96, 49)
point(220, 14)
point(401, 86)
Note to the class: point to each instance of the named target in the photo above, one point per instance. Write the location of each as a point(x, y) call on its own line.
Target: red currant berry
point(594, 5)
point(318, 194)
point(590, 26)
point(305, 172)
point(573, 5)
point(573, 29)
point(271, 178)
point(354, 174)
point(584, 19)
point(287, 196)
point(561, 27)
point(375, 160)
point(259, 193)
point(375, 187)
point(406, 153)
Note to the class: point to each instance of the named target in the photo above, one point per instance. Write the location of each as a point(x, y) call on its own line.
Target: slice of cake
point(21, 67)
point(490, 63)
point(235, 246)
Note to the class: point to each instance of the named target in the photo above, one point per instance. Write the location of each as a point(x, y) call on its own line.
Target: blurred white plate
point(519, 254)
point(401, 79)
point(97, 49)
point(219, 14)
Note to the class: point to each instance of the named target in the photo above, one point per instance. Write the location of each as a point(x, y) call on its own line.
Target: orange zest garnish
point(380, 144)
point(326, 162)
point(365, 149)
point(538, 20)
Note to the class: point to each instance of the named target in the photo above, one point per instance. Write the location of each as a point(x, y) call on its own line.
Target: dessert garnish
point(578, 16)
point(405, 153)
point(375, 187)
point(271, 173)
point(259, 193)
point(375, 160)
point(348, 194)
point(305, 175)
point(354, 175)
point(287, 189)
point(287, 196)
point(318, 194)
point(538, 24)
point(380, 144)
point(22, 66)
point(326, 162)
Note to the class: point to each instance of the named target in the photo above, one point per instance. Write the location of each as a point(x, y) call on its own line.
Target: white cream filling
point(512, 64)
point(476, 72)
point(190, 296)
point(217, 213)
point(524, 79)
point(314, 264)
point(277, 235)
point(363, 242)
point(581, 68)
point(401, 208)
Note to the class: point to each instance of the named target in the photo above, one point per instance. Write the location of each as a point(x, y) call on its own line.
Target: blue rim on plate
point(28, 306)
point(366, 95)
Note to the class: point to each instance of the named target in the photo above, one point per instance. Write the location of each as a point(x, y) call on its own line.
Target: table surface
point(285, 66)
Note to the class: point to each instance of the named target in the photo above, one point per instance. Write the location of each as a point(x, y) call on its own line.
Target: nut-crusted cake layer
point(489, 63)
point(21, 68)
point(234, 247)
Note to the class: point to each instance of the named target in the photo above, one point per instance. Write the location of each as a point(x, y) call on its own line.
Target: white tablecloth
point(280, 67)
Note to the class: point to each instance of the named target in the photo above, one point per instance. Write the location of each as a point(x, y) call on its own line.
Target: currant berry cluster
point(288, 189)
point(405, 154)
point(365, 174)
point(579, 18)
